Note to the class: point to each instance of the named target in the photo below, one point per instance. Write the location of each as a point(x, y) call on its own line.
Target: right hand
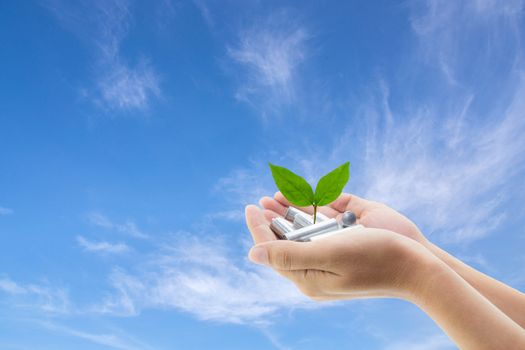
point(369, 214)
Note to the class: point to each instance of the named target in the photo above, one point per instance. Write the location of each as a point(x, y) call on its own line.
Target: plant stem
point(315, 212)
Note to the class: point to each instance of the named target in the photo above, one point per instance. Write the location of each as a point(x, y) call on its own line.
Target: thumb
point(286, 255)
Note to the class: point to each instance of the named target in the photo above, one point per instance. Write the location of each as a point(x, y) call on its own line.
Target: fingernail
point(259, 255)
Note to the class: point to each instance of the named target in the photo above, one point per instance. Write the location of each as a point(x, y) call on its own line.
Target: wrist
point(423, 271)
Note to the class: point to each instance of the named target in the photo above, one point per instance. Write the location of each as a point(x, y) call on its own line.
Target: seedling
point(300, 193)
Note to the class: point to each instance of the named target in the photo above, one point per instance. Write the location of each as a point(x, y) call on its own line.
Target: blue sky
point(132, 135)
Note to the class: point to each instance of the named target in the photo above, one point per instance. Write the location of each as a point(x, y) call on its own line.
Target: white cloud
point(200, 277)
point(10, 287)
point(119, 85)
point(269, 54)
point(205, 11)
point(126, 88)
point(433, 342)
point(36, 296)
point(129, 227)
point(6, 211)
point(450, 174)
point(454, 35)
point(102, 247)
point(449, 161)
point(111, 340)
point(227, 215)
point(245, 185)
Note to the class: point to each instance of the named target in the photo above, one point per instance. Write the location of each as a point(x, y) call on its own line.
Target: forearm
point(462, 312)
point(507, 299)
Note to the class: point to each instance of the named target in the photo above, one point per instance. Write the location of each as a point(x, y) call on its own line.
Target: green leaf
point(331, 185)
point(292, 186)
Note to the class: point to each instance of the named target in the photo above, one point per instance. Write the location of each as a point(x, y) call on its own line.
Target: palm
point(370, 214)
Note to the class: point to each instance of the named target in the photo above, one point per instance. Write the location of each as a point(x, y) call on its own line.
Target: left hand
point(357, 263)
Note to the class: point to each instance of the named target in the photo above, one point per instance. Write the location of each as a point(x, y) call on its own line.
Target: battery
point(324, 226)
point(280, 226)
point(302, 220)
point(331, 233)
point(291, 212)
point(321, 217)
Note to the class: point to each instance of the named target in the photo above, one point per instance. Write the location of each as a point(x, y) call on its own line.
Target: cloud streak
point(269, 55)
point(111, 340)
point(102, 247)
point(36, 296)
point(128, 228)
point(449, 160)
point(433, 342)
point(6, 211)
point(118, 84)
point(200, 277)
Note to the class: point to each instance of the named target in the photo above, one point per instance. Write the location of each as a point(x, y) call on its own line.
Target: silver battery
point(305, 220)
point(280, 226)
point(291, 212)
point(324, 226)
point(302, 220)
point(321, 217)
point(332, 233)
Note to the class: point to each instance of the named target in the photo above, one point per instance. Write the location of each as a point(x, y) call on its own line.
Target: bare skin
point(390, 257)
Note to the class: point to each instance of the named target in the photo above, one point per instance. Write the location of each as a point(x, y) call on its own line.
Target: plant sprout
point(299, 192)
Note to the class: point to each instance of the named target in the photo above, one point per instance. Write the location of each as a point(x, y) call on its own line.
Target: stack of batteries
point(297, 225)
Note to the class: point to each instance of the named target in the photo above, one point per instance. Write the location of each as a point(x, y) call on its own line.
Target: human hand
point(369, 214)
point(374, 262)
point(358, 263)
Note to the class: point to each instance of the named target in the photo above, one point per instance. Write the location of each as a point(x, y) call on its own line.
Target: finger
point(270, 214)
point(257, 224)
point(288, 255)
point(350, 202)
point(273, 205)
point(313, 283)
point(330, 212)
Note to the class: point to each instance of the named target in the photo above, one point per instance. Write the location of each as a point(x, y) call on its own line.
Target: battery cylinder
point(291, 212)
point(324, 226)
point(332, 233)
point(280, 226)
point(321, 217)
point(302, 220)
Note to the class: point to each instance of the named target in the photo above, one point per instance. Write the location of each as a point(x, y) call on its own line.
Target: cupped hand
point(358, 263)
point(369, 214)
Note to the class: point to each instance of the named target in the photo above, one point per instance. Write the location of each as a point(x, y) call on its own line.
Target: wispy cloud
point(453, 36)
point(450, 161)
point(269, 55)
point(244, 185)
point(451, 174)
point(205, 12)
point(119, 84)
point(202, 278)
point(42, 297)
point(129, 227)
point(102, 247)
point(433, 342)
point(111, 340)
point(127, 88)
point(227, 215)
point(6, 211)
